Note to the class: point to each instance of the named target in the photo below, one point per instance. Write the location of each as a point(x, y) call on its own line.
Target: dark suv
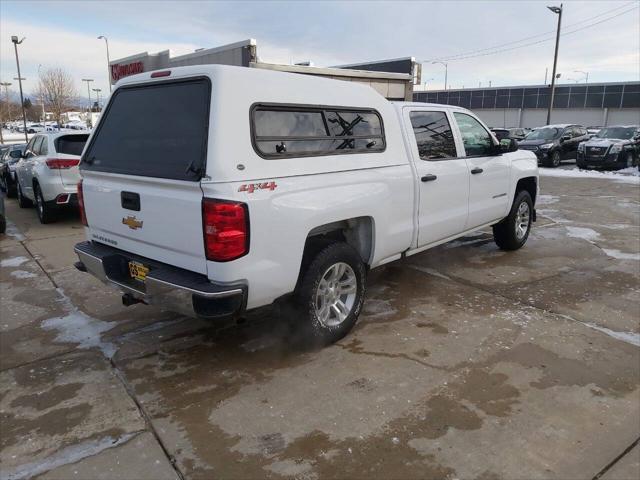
point(555, 143)
point(612, 147)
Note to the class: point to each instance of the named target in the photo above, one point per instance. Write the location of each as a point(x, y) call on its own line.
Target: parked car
point(554, 143)
point(35, 128)
point(3, 218)
point(8, 168)
point(514, 132)
point(306, 185)
point(48, 173)
point(593, 130)
point(611, 148)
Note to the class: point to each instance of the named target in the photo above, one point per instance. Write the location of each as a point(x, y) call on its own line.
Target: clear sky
point(63, 34)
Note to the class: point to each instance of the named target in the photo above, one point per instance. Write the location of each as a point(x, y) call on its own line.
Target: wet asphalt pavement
point(468, 362)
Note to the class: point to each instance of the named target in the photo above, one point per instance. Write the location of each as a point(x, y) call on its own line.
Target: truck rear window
point(71, 144)
point(153, 130)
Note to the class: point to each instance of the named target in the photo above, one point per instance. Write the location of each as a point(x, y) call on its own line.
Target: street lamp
point(40, 87)
point(557, 11)
point(586, 75)
point(106, 42)
point(89, 80)
point(97, 90)
point(427, 80)
point(446, 68)
point(15, 41)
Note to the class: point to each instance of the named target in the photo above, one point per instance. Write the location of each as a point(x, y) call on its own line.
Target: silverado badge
point(131, 222)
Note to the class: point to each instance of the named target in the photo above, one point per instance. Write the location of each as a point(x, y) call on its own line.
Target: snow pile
point(628, 175)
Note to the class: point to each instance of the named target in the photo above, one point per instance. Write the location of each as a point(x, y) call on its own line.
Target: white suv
point(48, 173)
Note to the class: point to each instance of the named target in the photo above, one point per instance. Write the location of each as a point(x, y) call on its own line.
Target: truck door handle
point(477, 170)
point(428, 178)
point(130, 201)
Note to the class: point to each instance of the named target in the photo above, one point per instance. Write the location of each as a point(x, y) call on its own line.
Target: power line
point(472, 53)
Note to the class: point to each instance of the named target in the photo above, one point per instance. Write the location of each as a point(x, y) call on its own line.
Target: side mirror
point(509, 145)
point(566, 136)
point(15, 154)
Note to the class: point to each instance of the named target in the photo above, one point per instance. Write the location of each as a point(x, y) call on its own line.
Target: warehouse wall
point(536, 117)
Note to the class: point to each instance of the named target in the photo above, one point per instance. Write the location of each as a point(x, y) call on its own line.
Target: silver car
point(48, 173)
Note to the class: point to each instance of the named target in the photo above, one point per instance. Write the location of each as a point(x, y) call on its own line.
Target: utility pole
point(89, 80)
point(106, 42)
point(586, 75)
point(557, 11)
point(15, 41)
point(44, 115)
point(546, 72)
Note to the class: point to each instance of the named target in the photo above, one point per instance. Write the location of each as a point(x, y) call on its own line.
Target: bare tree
point(58, 90)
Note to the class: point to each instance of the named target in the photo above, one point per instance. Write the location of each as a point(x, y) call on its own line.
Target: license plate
point(138, 271)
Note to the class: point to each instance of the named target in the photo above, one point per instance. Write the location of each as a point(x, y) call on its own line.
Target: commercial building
point(603, 104)
point(392, 85)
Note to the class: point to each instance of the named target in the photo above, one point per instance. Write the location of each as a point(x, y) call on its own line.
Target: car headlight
point(546, 146)
point(617, 148)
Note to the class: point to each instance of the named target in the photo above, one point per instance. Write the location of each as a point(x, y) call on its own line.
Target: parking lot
point(468, 362)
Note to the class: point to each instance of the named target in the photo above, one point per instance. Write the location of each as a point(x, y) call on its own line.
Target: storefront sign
point(119, 71)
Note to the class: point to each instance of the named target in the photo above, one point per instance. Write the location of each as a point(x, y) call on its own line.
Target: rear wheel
point(46, 213)
point(331, 294)
point(512, 232)
point(629, 161)
point(23, 202)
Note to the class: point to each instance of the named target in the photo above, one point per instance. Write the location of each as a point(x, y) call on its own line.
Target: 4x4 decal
point(252, 187)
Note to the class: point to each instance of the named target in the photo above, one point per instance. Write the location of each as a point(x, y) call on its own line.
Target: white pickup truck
point(213, 190)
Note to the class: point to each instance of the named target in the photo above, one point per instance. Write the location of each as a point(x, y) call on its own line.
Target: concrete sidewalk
point(468, 362)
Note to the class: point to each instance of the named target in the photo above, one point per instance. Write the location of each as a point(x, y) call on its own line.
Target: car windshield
point(548, 133)
point(623, 133)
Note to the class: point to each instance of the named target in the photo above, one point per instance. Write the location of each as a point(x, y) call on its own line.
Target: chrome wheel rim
point(522, 220)
point(336, 294)
point(556, 159)
point(629, 161)
point(40, 202)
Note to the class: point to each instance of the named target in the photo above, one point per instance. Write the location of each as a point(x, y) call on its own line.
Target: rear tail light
point(226, 229)
point(83, 216)
point(163, 73)
point(61, 163)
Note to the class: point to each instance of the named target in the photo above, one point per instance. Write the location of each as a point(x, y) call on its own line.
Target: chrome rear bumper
point(173, 288)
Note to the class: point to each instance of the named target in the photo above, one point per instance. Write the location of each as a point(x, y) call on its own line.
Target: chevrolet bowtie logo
point(132, 223)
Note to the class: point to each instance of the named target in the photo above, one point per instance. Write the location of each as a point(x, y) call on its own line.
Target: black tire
point(504, 233)
point(580, 164)
point(629, 161)
point(554, 160)
point(306, 318)
point(46, 213)
point(3, 224)
point(12, 191)
point(23, 202)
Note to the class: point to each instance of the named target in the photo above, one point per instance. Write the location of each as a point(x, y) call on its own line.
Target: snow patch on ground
point(627, 175)
point(13, 262)
point(78, 327)
point(65, 456)
point(583, 233)
point(629, 337)
point(621, 255)
point(12, 231)
point(22, 274)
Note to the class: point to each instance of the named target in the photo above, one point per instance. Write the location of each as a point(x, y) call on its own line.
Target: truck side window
point(476, 139)
point(287, 131)
point(433, 135)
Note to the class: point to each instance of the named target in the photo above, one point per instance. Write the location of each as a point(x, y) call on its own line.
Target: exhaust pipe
point(128, 300)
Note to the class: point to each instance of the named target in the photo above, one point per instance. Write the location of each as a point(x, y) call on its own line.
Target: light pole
point(106, 42)
point(586, 75)
point(44, 115)
point(446, 71)
point(15, 41)
point(97, 90)
point(89, 80)
point(428, 80)
point(557, 11)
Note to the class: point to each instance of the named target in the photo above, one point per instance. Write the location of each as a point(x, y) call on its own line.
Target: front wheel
point(512, 232)
point(331, 293)
point(23, 202)
point(554, 161)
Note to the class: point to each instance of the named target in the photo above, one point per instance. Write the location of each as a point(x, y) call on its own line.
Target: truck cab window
point(476, 139)
point(433, 135)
